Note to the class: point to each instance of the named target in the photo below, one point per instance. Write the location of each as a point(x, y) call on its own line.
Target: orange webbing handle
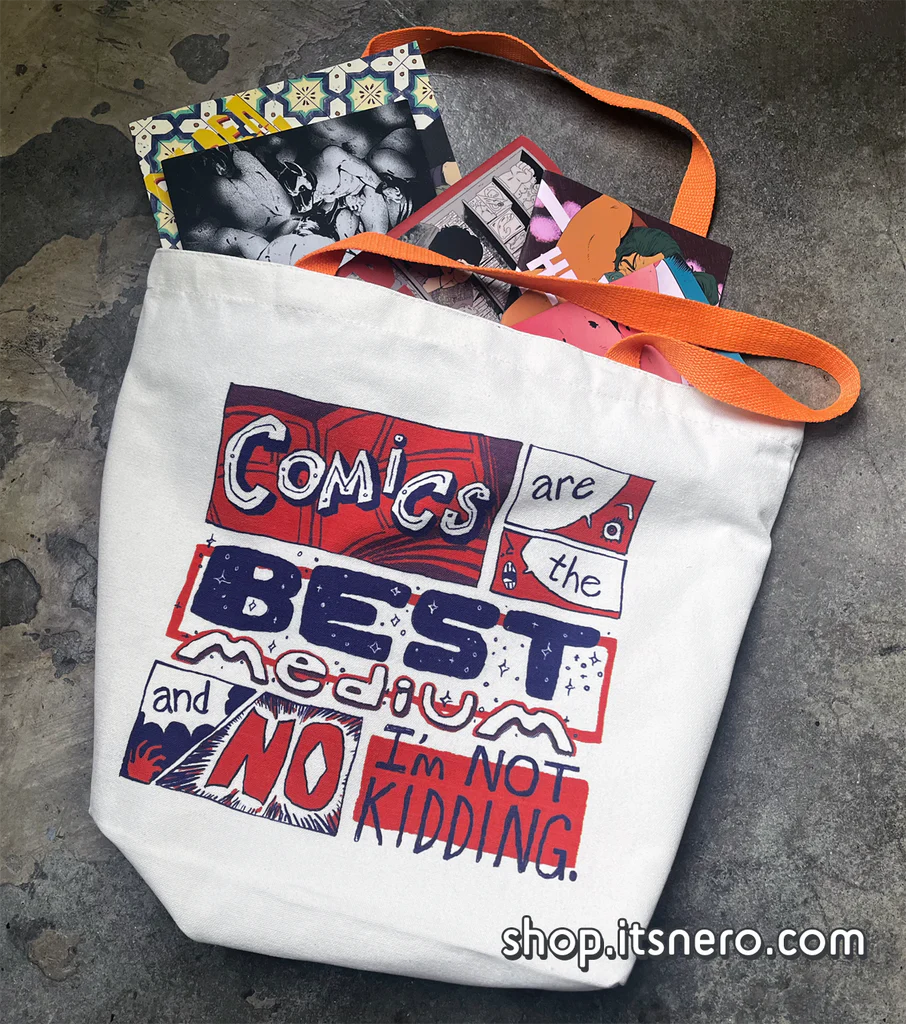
point(695, 201)
point(692, 329)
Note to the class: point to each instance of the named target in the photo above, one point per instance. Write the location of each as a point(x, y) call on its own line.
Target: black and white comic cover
point(277, 197)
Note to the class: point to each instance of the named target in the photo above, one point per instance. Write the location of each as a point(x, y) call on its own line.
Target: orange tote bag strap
point(695, 201)
point(684, 331)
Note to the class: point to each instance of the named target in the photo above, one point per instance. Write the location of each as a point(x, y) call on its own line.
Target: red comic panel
point(495, 805)
point(385, 490)
point(554, 572)
point(578, 499)
point(275, 758)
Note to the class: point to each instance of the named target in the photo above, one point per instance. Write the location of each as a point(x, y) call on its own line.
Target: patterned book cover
point(354, 85)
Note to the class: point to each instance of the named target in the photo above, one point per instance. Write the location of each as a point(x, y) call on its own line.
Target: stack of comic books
point(279, 171)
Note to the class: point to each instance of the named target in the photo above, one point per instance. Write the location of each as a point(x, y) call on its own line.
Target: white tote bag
point(412, 626)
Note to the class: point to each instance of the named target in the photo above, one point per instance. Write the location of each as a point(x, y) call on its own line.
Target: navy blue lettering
point(247, 589)
point(469, 651)
point(548, 637)
point(330, 606)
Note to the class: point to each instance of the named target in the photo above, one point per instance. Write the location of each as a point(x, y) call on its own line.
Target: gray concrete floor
point(800, 816)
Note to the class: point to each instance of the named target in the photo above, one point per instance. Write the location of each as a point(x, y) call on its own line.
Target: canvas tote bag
point(411, 626)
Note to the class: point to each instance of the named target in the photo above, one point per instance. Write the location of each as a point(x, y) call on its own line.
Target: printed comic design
point(180, 707)
point(567, 531)
point(350, 481)
point(346, 595)
point(276, 758)
point(487, 672)
point(468, 803)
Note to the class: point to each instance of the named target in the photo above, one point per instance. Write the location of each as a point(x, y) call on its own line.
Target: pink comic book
point(578, 232)
point(592, 333)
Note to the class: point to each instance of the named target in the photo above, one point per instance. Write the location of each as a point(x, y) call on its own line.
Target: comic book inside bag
point(576, 232)
point(389, 81)
point(482, 220)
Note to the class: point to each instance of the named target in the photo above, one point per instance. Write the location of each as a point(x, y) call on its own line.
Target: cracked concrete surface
point(800, 819)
